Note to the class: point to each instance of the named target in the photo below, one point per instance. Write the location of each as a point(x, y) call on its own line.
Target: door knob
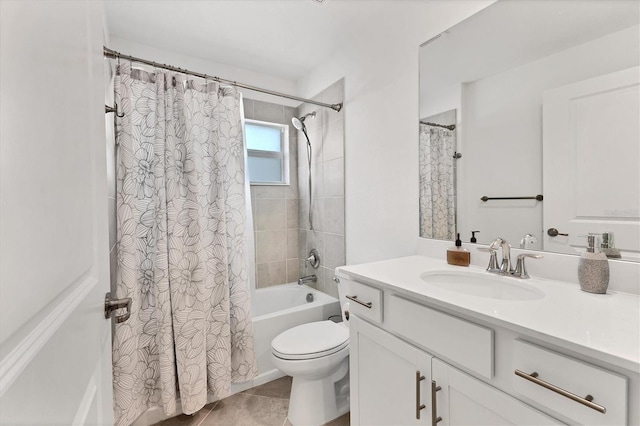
point(553, 232)
point(111, 305)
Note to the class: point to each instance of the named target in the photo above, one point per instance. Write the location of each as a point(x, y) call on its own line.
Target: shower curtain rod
point(448, 127)
point(108, 53)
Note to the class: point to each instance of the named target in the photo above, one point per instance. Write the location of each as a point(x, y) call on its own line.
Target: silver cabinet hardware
point(419, 407)
point(336, 280)
point(111, 305)
point(434, 406)
point(360, 302)
point(587, 400)
point(553, 232)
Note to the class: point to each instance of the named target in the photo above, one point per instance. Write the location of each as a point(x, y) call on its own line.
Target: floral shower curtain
point(437, 189)
point(182, 254)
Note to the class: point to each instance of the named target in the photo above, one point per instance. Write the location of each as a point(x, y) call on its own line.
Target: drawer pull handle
point(587, 400)
point(434, 406)
point(419, 407)
point(355, 299)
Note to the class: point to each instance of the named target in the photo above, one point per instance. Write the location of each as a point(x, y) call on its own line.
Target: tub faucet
point(505, 267)
point(307, 279)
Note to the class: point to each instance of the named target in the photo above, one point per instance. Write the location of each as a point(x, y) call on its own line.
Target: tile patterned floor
point(265, 405)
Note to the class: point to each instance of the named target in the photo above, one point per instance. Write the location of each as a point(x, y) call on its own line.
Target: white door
point(390, 379)
point(55, 364)
point(464, 400)
point(591, 157)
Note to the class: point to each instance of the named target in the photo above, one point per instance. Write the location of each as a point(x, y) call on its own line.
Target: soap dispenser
point(608, 246)
point(593, 268)
point(457, 255)
point(473, 236)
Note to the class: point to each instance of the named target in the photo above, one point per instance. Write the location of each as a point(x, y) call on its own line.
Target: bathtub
point(276, 309)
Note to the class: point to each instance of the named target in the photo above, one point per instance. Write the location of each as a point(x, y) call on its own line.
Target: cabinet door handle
point(419, 407)
point(355, 299)
point(587, 400)
point(434, 406)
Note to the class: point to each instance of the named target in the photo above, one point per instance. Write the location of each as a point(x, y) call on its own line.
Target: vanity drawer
point(572, 380)
point(462, 342)
point(364, 301)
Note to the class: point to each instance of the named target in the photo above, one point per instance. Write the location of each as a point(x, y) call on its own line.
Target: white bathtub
point(276, 309)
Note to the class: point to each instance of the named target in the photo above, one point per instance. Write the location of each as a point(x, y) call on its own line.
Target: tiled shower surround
point(281, 213)
point(275, 207)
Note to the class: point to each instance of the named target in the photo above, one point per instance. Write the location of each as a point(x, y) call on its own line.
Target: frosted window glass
point(263, 138)
point(264, 169)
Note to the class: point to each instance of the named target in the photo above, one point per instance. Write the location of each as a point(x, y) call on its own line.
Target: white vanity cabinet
point(395, 383)
point(390, 379)
point(413, 362)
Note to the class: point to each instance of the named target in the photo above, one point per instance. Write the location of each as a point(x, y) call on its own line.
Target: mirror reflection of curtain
point(437, 185)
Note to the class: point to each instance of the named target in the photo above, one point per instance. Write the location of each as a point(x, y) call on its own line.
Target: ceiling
point(281, 38)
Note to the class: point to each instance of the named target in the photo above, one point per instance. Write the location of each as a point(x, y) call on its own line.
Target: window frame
point(283, 154)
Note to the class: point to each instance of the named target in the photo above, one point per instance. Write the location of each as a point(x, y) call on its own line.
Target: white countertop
point(603, 326)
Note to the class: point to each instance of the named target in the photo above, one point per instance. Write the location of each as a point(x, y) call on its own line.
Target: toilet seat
point(311, 340)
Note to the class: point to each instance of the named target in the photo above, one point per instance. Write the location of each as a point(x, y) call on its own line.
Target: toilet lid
point(311, 340)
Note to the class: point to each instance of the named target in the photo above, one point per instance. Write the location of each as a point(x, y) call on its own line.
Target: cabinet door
point(464, 400)
point(390, 379)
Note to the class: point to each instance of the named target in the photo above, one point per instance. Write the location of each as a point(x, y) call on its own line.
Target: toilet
point(316, 355)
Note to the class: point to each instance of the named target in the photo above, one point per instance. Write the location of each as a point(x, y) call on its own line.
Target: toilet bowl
point(316, 355)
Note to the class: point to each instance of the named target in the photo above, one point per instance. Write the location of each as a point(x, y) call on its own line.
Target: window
point(268, 152)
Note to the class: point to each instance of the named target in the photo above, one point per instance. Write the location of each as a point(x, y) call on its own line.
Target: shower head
point(298, 123)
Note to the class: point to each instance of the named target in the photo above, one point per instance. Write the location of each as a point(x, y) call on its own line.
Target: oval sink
point(482, 285)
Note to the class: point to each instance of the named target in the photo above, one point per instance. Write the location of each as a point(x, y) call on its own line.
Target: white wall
point(503, 121)
point(380, 67)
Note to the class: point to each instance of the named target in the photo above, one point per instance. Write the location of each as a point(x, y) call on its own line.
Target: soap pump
point(457, 255)
point(473, 236)
point(593, 268)
point(608, 246)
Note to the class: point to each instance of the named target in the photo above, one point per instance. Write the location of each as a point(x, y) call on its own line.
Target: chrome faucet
point(307, 279)
point(505, 267)
point(527, 239)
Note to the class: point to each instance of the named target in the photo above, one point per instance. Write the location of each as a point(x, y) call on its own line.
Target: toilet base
point(318, 401)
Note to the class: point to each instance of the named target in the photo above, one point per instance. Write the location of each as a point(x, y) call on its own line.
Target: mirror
point(529, 127)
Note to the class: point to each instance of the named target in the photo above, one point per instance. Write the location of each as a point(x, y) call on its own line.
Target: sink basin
point(482, 285)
